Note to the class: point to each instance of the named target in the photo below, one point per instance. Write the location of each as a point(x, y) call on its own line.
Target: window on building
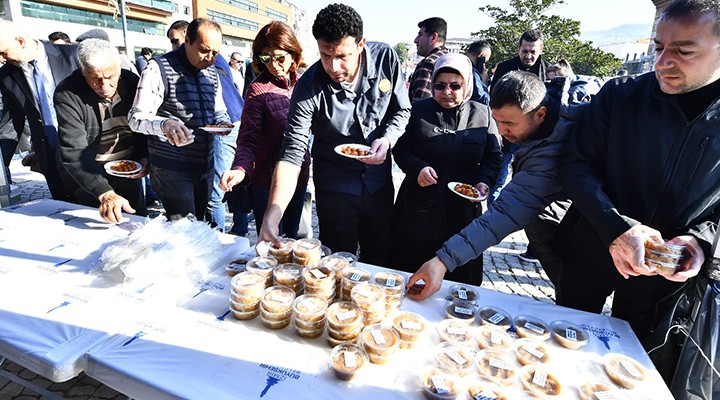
point(274, 14)
point(244, 4)
point(232, 20)
point(60, 13)
point(159, 4)
point(186, 10)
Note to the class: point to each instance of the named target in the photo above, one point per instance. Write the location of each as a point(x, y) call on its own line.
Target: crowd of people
point(597, 170)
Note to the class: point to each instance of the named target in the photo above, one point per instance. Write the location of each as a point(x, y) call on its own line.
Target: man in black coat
point(25, 58)
point(92, 108)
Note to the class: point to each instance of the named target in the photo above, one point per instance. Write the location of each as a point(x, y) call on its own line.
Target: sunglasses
point(442, 86)
point(234, 60)
point(267, 59)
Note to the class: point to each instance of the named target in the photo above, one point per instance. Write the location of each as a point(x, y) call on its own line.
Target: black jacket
point(635, 159)
point(19, 102)
point(539, 68)
point(478, 158)
point(80, 126)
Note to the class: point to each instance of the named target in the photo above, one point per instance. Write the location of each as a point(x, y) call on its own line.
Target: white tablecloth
point(61, 314)
point(55, 300)
point(207, 354)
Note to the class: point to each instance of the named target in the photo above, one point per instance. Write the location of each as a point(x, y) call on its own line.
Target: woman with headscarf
point(449, 138)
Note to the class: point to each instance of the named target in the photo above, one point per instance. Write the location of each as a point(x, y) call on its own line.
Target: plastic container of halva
point(452, 330)
point(306, 251)
point(410, 327)
point(263, 266)
point(380, 342)
point(461, 311)
point(347, 359)
point(455, 359)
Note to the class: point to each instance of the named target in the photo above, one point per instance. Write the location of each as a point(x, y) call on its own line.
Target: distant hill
point(620, 34)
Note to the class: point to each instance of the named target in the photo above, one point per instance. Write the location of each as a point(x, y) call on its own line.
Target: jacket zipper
point(687, 131)
point(703, 147)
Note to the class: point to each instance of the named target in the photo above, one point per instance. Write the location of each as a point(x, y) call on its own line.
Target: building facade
point(146, 20)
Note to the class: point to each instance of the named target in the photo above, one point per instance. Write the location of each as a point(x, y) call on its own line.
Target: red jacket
point(262, 125)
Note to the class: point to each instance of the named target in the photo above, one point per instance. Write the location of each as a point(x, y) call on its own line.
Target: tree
point(402, 51)
point(561, 36)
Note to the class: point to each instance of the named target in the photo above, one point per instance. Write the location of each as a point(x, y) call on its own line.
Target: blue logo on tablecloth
point(209, 285)
point(61, 305)
point(276, 375)
point(138, 335)
point(603, 334)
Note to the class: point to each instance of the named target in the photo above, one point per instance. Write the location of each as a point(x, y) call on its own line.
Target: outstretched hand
point(431, 273)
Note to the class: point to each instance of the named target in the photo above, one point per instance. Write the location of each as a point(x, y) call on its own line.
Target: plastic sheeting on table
point(55, 301)
point(199, 351)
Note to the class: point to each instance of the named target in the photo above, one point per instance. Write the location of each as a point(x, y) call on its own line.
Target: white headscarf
point(461, 64)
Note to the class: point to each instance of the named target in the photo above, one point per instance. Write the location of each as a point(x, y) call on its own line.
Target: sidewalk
point(504, 272)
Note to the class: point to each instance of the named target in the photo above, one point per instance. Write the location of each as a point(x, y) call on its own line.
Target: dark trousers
point(291, 218)
point(182, 193)
point(541, 233)
point(589, 276)
point(347, 221)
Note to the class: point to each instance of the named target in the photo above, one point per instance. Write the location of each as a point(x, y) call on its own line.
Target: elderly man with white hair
point(92, 107)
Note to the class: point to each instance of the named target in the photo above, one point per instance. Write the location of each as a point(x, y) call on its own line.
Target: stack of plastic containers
point(394, 286)
point(276, 307)
point(320, 281)
point(352, 276)
point(289, 275)
point(309, 315)
point(370, 298)
point(247, 289)
point(344, 323)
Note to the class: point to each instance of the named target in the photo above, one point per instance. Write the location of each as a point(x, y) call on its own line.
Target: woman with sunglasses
point(276, 55)
point(449, 138)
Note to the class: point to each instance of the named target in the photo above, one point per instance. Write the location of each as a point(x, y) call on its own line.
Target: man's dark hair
point(192, 29)
point(435, 25)
point(146, 51)
point(59, 36)
point(684, 8)
point(336, 22)
point(478, 46)
point(531, 35)
point(179, 25)
point(518, 88)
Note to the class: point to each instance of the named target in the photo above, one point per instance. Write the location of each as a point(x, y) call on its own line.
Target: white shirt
point(43, 65)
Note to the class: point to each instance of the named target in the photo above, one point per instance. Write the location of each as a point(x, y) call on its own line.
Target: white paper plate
point(110, 171)
point(451, 186)
point(217, 130)
point(338, 149)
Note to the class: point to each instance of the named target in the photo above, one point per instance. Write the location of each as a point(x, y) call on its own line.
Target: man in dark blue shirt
point(354, 94)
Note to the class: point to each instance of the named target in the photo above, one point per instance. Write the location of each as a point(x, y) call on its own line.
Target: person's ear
point(540, 114)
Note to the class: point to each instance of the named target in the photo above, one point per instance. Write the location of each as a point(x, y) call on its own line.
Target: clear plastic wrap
point(163, 249)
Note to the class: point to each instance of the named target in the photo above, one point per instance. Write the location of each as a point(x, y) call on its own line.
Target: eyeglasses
point(234, 60)
point(267, 59)
point(442, 86)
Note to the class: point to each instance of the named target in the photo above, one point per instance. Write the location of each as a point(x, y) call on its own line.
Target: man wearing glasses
point(354, 94)
point(237, 69)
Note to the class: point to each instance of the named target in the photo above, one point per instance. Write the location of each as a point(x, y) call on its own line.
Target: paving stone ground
point(504, 272)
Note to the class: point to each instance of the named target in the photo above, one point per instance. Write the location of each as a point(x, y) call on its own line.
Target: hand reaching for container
point(432, 273)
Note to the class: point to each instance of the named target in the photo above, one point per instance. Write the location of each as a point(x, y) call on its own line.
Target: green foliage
point(402, 51)
point(561, 36)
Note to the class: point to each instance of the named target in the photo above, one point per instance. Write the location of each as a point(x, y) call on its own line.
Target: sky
point(394, 21)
